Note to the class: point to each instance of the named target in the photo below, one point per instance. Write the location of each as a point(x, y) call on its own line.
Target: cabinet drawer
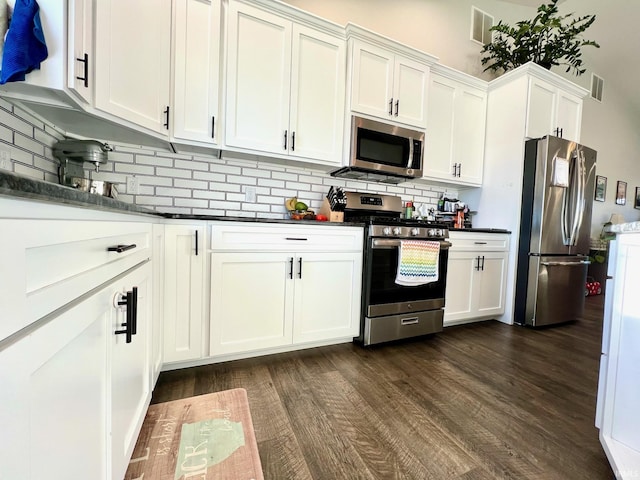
point(284, 237)
point(49, 263)
point(479, 242)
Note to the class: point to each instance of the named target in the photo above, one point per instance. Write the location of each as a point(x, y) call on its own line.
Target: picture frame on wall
point(637, 201)
point(621, 193)
point(601, 188)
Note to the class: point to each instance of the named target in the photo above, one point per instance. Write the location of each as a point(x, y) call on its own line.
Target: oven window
point(384, 290)
point(378, 147)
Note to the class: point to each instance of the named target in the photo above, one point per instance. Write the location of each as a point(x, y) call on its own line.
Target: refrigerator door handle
point(579, 213)
point(565, 264)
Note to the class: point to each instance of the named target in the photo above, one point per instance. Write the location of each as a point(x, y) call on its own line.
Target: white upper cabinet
point(132, 68)
point(454, 146)
point(80, 77)
point(196, 70)
point(285, 86)
point(552, 111)
point(388, 80)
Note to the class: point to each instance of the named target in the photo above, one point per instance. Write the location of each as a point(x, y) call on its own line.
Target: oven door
point(383, 296)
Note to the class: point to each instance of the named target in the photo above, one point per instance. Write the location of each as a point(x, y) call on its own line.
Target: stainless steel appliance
point(72, 155)
point(558, 188)
point(383, 153)
point(391, 311)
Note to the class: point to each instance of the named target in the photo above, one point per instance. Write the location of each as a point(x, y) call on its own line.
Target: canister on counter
point(408, 210)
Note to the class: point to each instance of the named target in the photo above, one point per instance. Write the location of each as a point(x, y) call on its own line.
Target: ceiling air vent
point(597, 84)
point(481, 22)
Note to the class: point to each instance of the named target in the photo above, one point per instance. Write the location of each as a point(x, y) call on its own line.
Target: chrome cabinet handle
point(121, 248)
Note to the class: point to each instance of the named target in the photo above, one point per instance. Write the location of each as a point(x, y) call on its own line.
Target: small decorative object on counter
point(337, 199)
point(298, 210)
point(408, 210)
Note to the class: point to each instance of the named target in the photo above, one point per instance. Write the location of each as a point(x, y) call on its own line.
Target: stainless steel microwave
point(383, 152)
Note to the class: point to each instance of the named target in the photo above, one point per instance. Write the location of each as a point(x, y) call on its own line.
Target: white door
point(491, 287)
point(569, 117)
point(410, 83)
point(468, 144)
point(372, 80)
point(327, 296)
point(459, 302)
point(80, 62)
point(251, 301)
point(258, 80)
point(440, 129)
point(66, 393)
point(196, 57)
point(133, 41)
point(183, 292)
point(317, 95)
point(130, 388)
point(541, 108)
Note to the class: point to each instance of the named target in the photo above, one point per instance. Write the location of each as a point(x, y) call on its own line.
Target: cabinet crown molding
point(456, 75)
point(357, 32)
point(535, 70)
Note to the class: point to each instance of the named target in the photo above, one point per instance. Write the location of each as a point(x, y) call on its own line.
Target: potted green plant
point(548, 39)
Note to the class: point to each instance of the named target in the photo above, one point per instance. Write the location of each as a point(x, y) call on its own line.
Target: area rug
point(204, 437)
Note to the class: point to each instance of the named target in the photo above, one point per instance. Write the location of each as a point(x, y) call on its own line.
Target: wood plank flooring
point(479, 401)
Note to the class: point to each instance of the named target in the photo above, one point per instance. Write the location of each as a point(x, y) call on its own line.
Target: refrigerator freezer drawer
point(555, 292)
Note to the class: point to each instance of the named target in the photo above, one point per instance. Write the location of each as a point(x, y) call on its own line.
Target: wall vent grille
point(597, 85)
point(481, 22)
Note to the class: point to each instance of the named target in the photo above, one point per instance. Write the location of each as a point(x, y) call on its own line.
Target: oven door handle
point(392, 243)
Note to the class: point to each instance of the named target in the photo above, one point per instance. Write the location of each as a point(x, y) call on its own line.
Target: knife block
point(332, 216)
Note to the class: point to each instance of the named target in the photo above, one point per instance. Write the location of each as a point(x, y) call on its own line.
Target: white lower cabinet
point(281, 286)
point(184, 270)
point(476, 277)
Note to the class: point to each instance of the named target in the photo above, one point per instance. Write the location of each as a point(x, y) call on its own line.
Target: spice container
point(408, 210)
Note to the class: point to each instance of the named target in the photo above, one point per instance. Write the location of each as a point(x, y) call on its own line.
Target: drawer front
point(479, 242)
point(225, 236)
point(50, 263)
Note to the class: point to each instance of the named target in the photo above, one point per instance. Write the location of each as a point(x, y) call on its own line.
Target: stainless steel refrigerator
point(555, 226)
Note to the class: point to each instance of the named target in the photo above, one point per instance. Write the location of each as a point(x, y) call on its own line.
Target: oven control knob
point(386, 230)
point(431, 232)
point(415, 232)
point(397, 230)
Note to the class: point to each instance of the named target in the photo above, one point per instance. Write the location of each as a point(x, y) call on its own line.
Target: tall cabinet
point(515, 111)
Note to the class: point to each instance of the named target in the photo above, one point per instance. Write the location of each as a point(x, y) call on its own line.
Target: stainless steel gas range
point(393, 311)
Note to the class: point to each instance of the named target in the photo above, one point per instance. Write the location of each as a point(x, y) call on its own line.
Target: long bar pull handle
point(483, 263)
point(479, 243)
point(397, 103)
point(298, 239)
point(459, 169)
point(121, 248)
point(196, 243)
point(213, 127)
point(285, 139)
point(128, 325)
point(134, 310)
point(477, 266)
point(85, 61)
point(166, 122)
point(300, 267)
point(566, 264)
point(455, 169)
point(391, 106)
point(293, 141)
point(291, 268)
point(409, 321)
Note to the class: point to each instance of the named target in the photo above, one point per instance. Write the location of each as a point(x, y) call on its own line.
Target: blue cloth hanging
point(24, 47)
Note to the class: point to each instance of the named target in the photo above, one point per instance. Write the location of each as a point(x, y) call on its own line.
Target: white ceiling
point(617, 30)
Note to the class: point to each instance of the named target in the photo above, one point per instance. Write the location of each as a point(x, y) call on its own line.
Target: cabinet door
point(469, 129)
point(130, 388)
point(251, 301)
point(327, 296)
point(569, 116)
point(440, 129)
point(541, 108)
point(372, 80)
point(461, 278)
point(183, 292)
point(410, 83)
point(157, 311)
point(196, 54)
point(80, 74)
point(67, 393)
point(317, 95)
point(133, 60)
point(491, 287)
point(258, 80)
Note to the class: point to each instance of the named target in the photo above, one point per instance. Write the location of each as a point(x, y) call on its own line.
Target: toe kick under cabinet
point(476, 276)
point(282, 286)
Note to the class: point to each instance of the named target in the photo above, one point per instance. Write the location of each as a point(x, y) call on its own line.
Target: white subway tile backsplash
point(28, 144)
point(284, 176)
point(209, 194)
point(190, 202)
point(173, 192)
point(270, 183)
point(242, 180)
point(254, 172)
point(21, 169)
point(15, 123)
point(149, 200)
point(212, 177)
point(195, 184)
point(131, 168)
point(156, 181)
point(173, 172)
point(148, 160)
point(221, 205)
point(191, 165)
point(217, 168)
point(224, 187)
point(6, 134)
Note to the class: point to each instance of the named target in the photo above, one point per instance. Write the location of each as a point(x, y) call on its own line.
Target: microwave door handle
point(410, 159)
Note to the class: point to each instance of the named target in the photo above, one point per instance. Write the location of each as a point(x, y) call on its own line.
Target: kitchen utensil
point(97, 187)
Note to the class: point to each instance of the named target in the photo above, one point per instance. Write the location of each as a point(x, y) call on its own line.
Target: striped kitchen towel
point(417, 262)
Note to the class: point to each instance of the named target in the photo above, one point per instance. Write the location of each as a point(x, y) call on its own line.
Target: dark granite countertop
point(480, 230)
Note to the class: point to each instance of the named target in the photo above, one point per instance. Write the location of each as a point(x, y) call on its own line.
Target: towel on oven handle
point(417, 262)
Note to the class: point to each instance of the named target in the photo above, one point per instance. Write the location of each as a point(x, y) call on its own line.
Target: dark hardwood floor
point(479, 401)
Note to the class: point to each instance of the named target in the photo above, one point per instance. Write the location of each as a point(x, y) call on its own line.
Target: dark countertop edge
point(480, 230)
point(215, 218)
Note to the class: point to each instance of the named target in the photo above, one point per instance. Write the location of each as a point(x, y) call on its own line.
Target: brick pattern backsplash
point(191, 183)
